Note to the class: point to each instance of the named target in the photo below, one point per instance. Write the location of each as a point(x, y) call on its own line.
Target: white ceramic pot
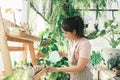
point(108, 53)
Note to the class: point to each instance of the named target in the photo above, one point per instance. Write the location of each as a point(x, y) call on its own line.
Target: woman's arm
point(83, 59)
point(82, 62)
point(61, 53)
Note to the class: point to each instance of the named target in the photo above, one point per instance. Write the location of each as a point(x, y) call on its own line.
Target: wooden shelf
point(22, 36)
point(106, 71)
point(26, 39)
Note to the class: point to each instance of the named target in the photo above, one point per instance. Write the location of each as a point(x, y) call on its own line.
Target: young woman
point(79, 52)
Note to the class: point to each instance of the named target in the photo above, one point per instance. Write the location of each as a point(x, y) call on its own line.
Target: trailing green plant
point(47, 49)
point(94, 34)
point(51, 46)
point(110, 32)
point(65, 8)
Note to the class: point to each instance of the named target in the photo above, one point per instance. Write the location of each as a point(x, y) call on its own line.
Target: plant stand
point(24, 38)
point(4, 48)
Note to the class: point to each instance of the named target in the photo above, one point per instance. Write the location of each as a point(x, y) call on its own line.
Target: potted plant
point(48, 46)
point(111, 33)
point(114, 64)
point(96, 58)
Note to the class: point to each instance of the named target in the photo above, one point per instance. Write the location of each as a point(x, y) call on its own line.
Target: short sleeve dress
point(81, 48)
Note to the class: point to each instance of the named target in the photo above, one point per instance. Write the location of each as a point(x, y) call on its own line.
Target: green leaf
point(92, 35)
point(58, 64)
point(45, 50)
point(95, 58)
point(102, 33)
point(15, 63)
point(118, 40)
point(54, 47)
point(113, 43)
point(53, 76)
point(66, 64)
point(64, 59)
point(48, 63)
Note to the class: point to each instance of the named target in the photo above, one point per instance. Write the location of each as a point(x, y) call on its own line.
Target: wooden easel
point(4, 48)
point(26, 39)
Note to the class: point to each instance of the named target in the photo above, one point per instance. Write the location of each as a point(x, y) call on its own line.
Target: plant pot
point(108, 53)
point(117, 72)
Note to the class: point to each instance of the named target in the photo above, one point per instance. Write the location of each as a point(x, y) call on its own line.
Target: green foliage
point(94, 34)
point(18, 75)
point(111, 32)
point(85, 5)
point(15, 63)
point(95, 58)
point(47, 35)
point(57, 75)
point(49, 48)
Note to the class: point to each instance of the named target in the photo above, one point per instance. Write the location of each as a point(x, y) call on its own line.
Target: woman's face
point(69, 35)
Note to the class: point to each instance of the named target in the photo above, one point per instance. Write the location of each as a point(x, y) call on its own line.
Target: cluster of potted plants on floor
point(111, 55)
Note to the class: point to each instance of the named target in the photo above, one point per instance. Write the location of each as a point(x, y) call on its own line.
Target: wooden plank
point(32, 54)
point(105, 70)
point(23, 37)
point(11, 48)
point(4, 49)
point(29, 37)
point(14, 39)
point(24, 57)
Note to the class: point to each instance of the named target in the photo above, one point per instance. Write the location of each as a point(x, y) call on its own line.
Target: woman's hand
point(61, 53)
point(37, 68)
point(51, 69)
